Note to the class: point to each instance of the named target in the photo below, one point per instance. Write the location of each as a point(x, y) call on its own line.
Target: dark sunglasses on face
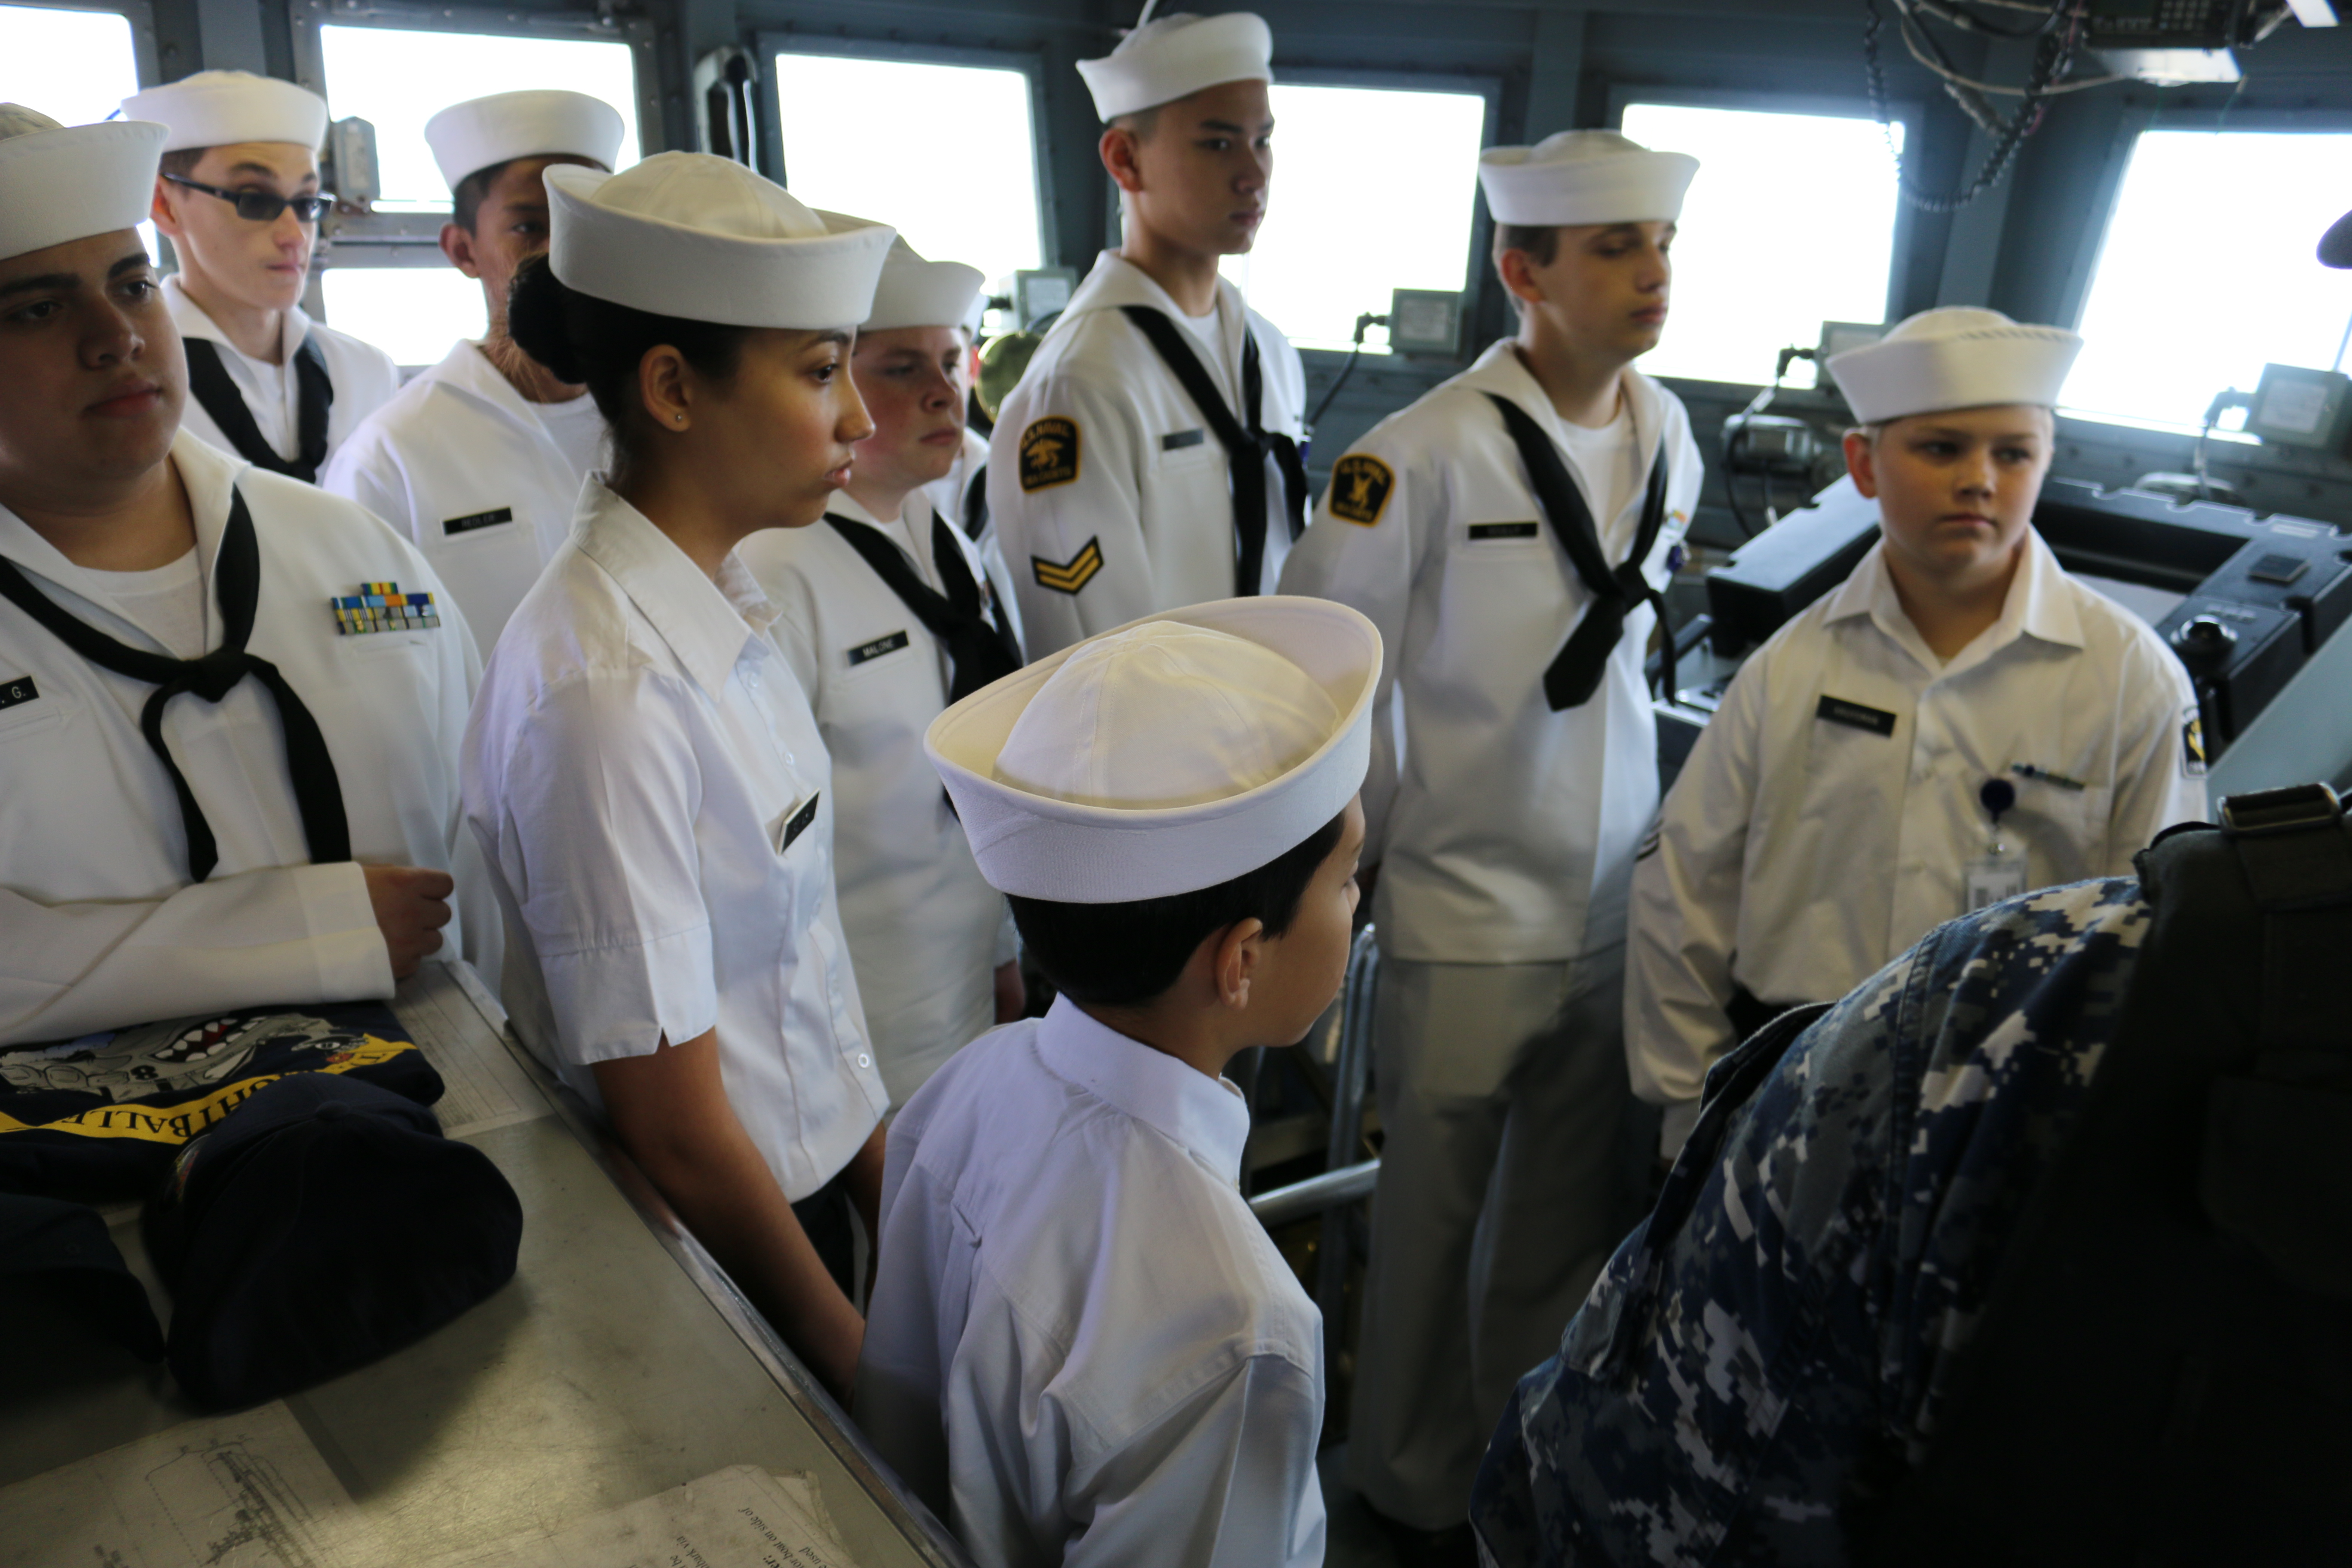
point(262, 207)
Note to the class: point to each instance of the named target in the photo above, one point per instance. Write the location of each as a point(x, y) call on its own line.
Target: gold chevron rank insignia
point(1359, 489)
point(1069, 576)
point(1049, 453)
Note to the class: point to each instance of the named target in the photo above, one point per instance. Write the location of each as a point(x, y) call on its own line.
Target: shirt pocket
point(20, 721)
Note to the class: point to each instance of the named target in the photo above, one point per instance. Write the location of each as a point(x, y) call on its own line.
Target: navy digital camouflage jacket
point(1730, 1393)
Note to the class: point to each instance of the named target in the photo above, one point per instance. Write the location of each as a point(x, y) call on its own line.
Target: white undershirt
point(1609, 462)
point(168, 601)
point(576, 428)
point(1210, 331)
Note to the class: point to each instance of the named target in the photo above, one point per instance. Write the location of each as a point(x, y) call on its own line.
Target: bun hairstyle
point(584, 339)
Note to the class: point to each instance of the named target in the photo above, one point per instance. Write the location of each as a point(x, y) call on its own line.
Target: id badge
point(793, 823)
point(1988, 878)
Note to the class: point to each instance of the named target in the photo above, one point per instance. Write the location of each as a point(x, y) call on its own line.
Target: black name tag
point(797, 826)
point(479, 520)
point(20, 689)
point(1502, 530)
point(1838, 711)
point(877, 648)
point(1178, 440)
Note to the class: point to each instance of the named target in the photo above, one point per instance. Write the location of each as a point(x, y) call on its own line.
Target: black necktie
point(978, 649)
point(1245, 449)
point(1575, 673)
point(313, 393)
point(237, 583)
point(975, 505)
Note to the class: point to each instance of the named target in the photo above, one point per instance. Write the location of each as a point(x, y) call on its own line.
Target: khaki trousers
point(1501, 1192)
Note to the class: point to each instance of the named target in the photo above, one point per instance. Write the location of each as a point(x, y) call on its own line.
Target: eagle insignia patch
point(1359, 489)
point(1069, 576)
point(1049, 453)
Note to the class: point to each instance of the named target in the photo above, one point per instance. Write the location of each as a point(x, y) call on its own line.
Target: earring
point(679, 417)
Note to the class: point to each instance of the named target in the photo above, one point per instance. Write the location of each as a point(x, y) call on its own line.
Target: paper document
point(238, 1491)
point(740, 1517)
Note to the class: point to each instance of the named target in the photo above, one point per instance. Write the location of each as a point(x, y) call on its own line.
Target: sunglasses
point(262, 207)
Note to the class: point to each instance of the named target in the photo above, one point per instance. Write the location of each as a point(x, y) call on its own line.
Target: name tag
point(877, 648)
point(1176, 441)
point(20, 689)
point(454, 525)
point(1838, 711)
point(1991, 878)
point(1502, 530)
point(796, 825)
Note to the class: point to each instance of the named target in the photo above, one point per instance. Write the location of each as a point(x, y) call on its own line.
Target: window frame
point(1909, 113)
point(145, 59)
point(375, 241)
point(1478, 278)
point(770, 42)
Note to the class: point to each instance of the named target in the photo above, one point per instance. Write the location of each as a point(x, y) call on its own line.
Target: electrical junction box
point(1424, 321)
point(1839, 336)
point(1041, 292)
point(2299, 407)
point(350, 175)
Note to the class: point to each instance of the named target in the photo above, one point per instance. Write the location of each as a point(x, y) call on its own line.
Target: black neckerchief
point(237, 585)
point(978, 649)
point(1245, 449)
point(1575, 672)
point(209, 379)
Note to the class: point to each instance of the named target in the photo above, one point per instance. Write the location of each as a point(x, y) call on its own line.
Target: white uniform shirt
point(102, 926)
point(953, 495)
point(1798, 855)
point(364, 377)
point(1111, 495)
point(926, 931)
point(658, 809)
point(1084, 1348)
point(1504, 831)
point(462, 465)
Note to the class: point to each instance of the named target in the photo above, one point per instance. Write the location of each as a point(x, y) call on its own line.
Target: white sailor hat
point(914, 293)
point(537, 122)
point(60, 183)
point(1584, 177)
point(1170, 58)
point(220, 109)
point(704, 238)
point(1955, 356)
point(1174, 753)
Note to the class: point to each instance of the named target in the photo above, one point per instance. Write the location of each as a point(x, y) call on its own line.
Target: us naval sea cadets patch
point(1359, 489)
point(1049, 453)
point(1069, 576)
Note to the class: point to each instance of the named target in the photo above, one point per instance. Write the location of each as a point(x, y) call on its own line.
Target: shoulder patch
point(1069, 576)
point(1049, 453)
point(1359, 489)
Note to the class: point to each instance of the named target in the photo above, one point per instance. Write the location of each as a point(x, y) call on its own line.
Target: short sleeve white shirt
point(655, 800)
point(1084, 1348)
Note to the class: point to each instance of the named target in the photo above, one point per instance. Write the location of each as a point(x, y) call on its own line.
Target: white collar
point(706, 624)
point(1205, 1117)
point(194, 321)
point(1116, 282)
point(1501, 371)
point(208, 475)
point(2040, 604)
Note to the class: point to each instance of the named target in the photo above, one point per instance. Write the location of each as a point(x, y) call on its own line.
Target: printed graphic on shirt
point(1049, 453)
point(1069, 576)
point(1838, 711)
point(20, 689)
point(2192, 742)
point(877, 648)
point(1359, 489)
point(1502, 530)
point(466, 524)
point(1177, 440)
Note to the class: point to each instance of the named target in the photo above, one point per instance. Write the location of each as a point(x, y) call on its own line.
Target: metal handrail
point(1316, 1194)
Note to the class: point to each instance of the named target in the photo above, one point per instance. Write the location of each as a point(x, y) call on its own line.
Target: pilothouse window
point(74, 67)
point(941, 152)
point(1375, 189)
point(1760, 263)
point(2207, 272)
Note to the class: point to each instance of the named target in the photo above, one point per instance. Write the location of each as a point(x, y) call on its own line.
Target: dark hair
point(1118, 955)
point(1540, 241)
point(582, 338)
point(467, 199)
point(1142, 123)
point(182, 161)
